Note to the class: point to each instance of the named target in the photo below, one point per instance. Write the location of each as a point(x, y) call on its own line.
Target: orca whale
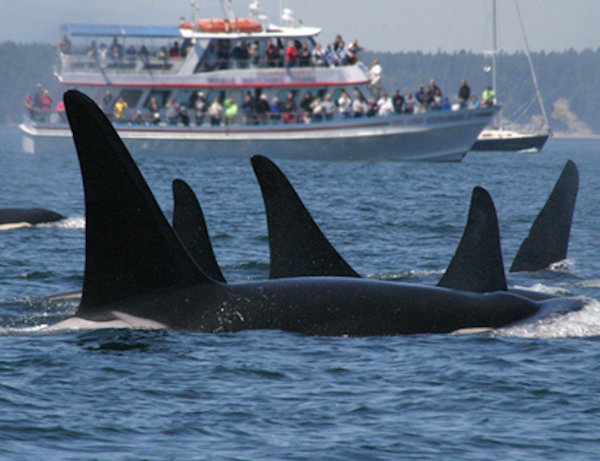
point(11, 218)
point(137, 267)
point(476, 266)
point(548, 238)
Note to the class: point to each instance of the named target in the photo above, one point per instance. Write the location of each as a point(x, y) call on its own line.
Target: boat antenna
point(531, 68)
point(228, 10)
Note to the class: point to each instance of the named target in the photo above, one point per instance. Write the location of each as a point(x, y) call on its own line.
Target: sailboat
point(498, 138)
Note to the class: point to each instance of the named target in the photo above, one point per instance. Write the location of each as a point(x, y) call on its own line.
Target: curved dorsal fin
point(130, 247)
point(297, 245)
point(477, 264)
point(190, 226)
point(548, 238)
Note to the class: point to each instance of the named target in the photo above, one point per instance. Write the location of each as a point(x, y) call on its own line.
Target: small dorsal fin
point(548, 239)
point(130, 247)
point(190, 226)
point(477, 264)
point(297, 245)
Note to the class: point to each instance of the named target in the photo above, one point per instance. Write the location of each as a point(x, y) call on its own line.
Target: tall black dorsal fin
point(297, 245)
point(548, 238)
point(190, 226)
point(477, 264)
point(130, 247)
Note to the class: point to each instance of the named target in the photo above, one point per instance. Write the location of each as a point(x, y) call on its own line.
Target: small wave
point(76, 222)
point(564, 266)
point(589, 284)
point(541, 288)
point(582, 323)
point(407, 275)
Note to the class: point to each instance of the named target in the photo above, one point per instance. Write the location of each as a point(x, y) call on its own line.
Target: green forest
point(567, 81)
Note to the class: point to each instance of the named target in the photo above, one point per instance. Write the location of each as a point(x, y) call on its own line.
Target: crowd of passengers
point(310, 108)
point(225, 54)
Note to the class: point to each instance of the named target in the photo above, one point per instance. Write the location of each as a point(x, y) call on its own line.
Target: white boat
point(497, 137)
point(225, 59)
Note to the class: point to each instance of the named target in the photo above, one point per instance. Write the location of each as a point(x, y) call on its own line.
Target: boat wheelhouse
point(157, 85)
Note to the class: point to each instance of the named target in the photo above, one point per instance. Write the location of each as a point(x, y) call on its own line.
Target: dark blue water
point(529, 392)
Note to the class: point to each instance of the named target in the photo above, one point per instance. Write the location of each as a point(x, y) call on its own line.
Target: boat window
point(162, 96)
point(336, 94)
point(131, 96)
point(187, 98)
point(212, 94)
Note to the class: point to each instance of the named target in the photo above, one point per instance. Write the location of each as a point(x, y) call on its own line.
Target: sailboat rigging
point(498, 138)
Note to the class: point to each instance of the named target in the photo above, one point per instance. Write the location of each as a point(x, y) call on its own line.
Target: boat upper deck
point(197, 55)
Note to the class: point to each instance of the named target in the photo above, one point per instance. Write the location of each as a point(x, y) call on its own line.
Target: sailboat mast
point(532, 69)
point(494, 45)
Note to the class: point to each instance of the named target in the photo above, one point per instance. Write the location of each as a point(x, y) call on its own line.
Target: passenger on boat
point(488, 97)
point(154, 110)
point(409, 102)
point(174, 50)
point(420, 96)
point(131, 54)
point(116, 50)
point(120, 110)
point(184, 116)
point(103, 56)
point(373, 108)
point(464, 93)
point(240, 56)
point(330, 56)
point(359, 106)
point(353, 49)
point(144, 54)
point(231, 110)
point(248, 110)
point(434, 87)
point(200, 106)
point(272, 55)
point(163, 56)
point(328, 107)
point(338, 43)
point(254, 55)
point(92, 51)
point(276, 110)
point(138, 118)
point(289, 109)
point(344, 104)
point(215, 111)
point(305, 103)
point(107, 102)
point(172, 112)
point(438, 100)
point(375, 75)
point(304, 56)
point(316, 110)
point(385, 105)
point(29, 105)
point(60, 110)
point(398, 101)
point(262, 109)
point(317, 56)
point(291, 55)
point(473, 102)
point(64, 45)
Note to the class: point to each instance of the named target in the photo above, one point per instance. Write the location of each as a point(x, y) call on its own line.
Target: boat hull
point(521, 143)
point(434, 136)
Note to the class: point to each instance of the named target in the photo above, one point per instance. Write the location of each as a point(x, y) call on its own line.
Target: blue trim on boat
point(114, 30)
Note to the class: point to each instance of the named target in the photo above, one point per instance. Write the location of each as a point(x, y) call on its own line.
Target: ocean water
point(530, 392)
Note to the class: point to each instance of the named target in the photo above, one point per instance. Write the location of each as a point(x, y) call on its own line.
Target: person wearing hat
point(201, 106)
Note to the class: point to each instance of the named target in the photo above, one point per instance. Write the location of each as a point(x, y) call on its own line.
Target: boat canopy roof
point(114, 30)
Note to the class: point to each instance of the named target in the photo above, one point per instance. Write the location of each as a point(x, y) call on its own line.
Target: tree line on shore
point(568, 81)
